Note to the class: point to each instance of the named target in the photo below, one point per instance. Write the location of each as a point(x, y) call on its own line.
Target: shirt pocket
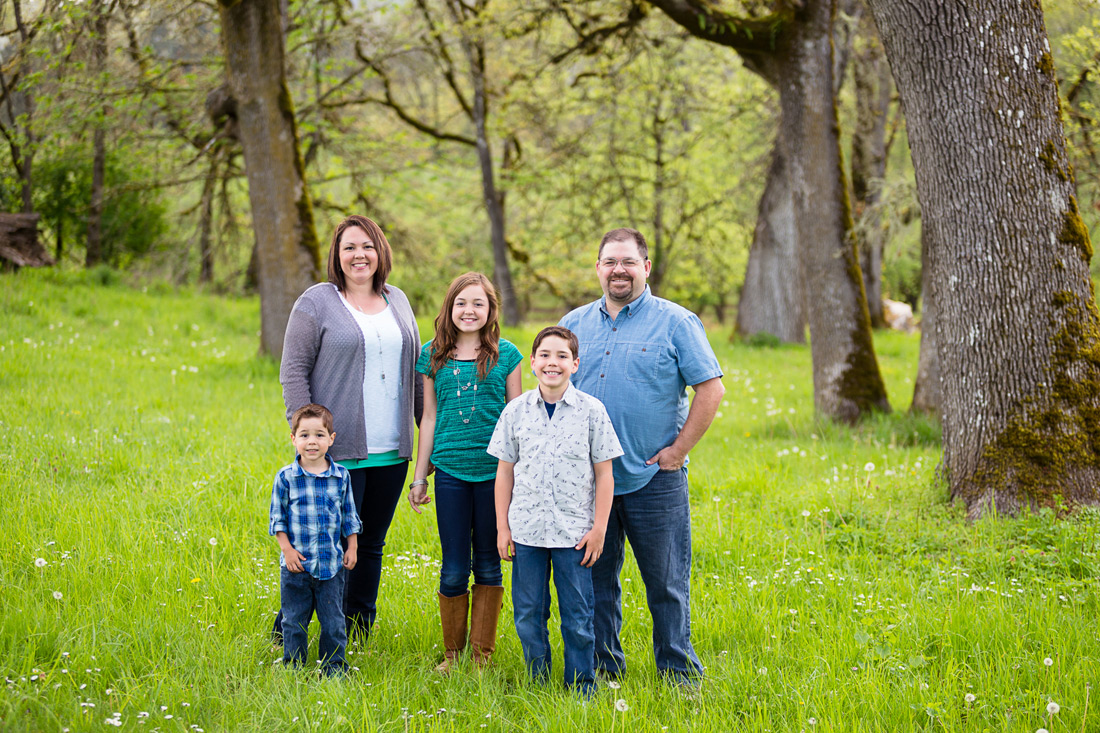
point(642, 362)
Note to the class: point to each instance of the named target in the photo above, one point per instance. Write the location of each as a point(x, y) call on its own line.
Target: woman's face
point(358, 257)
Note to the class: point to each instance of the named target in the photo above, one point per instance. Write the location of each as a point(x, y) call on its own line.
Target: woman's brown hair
point(446, 333)
point(374, 232)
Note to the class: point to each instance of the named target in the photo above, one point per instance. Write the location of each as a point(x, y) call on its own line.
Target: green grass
point(832, 581)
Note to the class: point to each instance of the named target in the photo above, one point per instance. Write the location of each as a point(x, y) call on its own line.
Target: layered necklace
point(465, 413)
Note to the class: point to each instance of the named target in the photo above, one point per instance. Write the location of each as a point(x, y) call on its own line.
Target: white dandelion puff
point(213, 540)
point(613, 684)
point(869, 467)
point(57, 595)
point(970, 698)
point(1053, 708)
point(1048, 662)
point(40, 562)
point(621, 705)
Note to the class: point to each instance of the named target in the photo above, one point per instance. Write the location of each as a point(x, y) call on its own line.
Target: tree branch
point(746, 35)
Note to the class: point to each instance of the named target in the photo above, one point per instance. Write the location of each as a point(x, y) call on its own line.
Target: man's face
point(622, 271)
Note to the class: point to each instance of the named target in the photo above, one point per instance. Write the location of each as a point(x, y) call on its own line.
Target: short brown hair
point(311, 410)
point(385, 254)
point(625, 234)
point(561, 332)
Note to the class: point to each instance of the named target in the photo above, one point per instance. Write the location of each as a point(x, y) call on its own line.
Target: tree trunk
point(288, 255)
point(93, 255)
point(494, 200)
point(871, 75)
point(1019, 332)
point(206, 220)
point(927, 392)
point(772, 298)
point(847, 381)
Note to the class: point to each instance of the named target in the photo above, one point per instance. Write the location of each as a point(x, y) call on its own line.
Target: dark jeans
point(301, 594)
point(466, 515)
point(531, 571)
point(376, 491)
point(657, 520)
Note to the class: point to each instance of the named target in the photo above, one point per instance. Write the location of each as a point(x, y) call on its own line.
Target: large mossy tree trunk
point(1018, 329)
point(772, 297)
point(847, 381)
point(288, 255)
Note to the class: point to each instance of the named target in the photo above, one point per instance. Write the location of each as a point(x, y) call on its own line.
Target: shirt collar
point(632, 307)
point(569, 396)
point(299, 471)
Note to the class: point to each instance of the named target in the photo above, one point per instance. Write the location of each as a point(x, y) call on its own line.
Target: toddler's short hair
point(311, 410)
point(561, 332)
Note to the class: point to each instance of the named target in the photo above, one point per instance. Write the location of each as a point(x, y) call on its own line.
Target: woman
point(351, 345)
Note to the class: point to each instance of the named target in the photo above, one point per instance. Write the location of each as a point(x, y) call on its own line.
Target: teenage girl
point(470, 373)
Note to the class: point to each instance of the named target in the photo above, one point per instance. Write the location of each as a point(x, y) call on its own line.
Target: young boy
point(312, 507)
point(553, 496)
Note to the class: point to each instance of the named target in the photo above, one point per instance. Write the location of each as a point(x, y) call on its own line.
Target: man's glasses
point(627, 262)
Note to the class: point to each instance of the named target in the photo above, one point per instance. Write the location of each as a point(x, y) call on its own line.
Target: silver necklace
point(460, 388)
point(378, 336)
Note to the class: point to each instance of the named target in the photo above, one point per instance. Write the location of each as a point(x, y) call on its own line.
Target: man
point(638, 354)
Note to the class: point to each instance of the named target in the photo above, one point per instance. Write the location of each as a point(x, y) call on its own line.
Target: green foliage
point(831, 580)
point(135, 217)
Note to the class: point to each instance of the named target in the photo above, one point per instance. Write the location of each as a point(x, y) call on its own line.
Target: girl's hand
point(418, 496)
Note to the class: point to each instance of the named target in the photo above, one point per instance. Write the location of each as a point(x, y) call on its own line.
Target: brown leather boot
point(484, 613)
point(452, 614)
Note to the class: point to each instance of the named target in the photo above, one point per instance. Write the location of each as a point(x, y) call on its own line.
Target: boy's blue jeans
point(531, 603)
point(467, 521)
point(301, 595)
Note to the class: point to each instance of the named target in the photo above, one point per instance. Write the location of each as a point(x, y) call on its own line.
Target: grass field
point(834, 588)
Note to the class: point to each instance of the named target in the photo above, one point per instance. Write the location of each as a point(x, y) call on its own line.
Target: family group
point(554, 480)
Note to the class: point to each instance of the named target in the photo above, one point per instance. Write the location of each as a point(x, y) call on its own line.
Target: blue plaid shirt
point(315, 510)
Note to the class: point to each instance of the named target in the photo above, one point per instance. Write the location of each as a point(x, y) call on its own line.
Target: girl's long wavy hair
point(446, 333)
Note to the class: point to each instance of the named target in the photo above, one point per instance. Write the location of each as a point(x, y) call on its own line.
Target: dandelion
point(40, 562)
point(970, 698)
point(57, 595)
point(869, 467)
point(812, 721)
point(213, 541)
point(613, 684)
point(1048, 662)
point(763, 671)
point(805, 512)
point(1053, 708)
point(1042, 730)
point(621, 705)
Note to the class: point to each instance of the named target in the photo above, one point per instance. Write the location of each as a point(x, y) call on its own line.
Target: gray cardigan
point(324, 362)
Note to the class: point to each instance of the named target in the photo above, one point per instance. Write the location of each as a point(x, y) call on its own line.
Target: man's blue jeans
point(531, 603)
point(657, 520)
point(301, 594)
point(467, 519)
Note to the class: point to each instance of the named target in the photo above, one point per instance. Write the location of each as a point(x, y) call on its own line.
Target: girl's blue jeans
point(466, 515)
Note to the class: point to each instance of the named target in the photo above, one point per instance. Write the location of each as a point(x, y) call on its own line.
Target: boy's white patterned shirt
point(554, 496)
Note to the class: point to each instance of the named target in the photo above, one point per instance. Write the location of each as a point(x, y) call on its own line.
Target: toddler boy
point(554, 490)
point(311, 509)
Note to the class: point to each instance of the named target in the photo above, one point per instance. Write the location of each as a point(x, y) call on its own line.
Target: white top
point(381, 378)
point(554, 497)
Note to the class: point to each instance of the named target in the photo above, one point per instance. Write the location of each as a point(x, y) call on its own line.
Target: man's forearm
point(708, 397)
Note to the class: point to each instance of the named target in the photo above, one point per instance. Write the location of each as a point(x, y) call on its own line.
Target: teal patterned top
point(467, 410)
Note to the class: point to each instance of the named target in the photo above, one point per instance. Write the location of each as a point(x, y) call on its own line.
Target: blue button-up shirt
point(315, 510)
point(639, 365)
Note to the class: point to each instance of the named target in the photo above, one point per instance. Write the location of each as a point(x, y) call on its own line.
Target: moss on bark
point(1074, 233)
